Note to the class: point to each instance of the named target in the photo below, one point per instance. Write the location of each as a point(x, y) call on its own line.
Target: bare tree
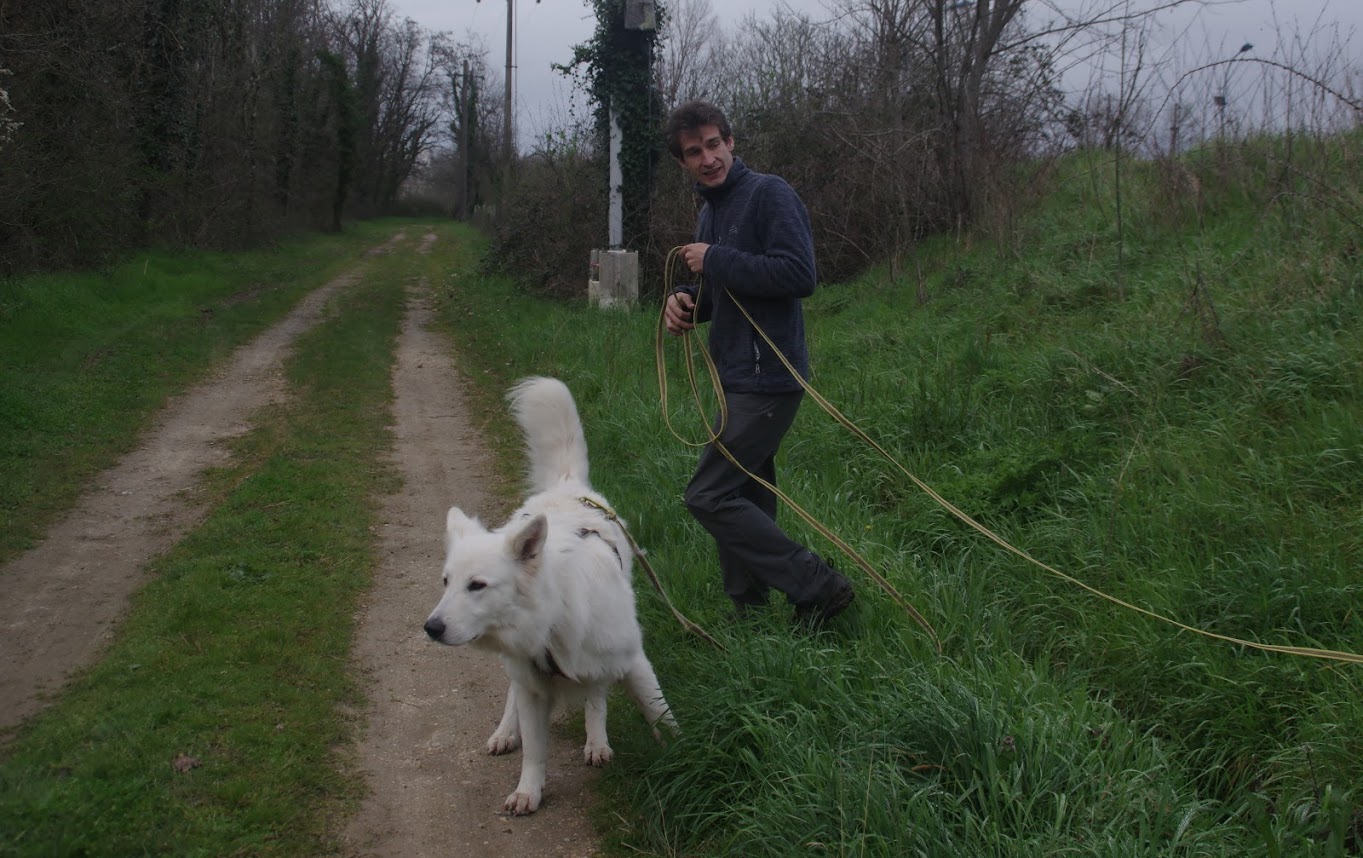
point(463, 66)
point(65, 197)
point(691, 41)
point(409, 117)
point(212, 122)
point(8, 124)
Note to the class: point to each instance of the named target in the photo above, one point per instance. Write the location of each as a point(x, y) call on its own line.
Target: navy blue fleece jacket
point(761, 249)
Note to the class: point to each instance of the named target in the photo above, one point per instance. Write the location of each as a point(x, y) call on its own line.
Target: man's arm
point(785, 266)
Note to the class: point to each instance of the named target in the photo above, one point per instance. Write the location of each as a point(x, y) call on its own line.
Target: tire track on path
point(433, 790)
point(61, 602)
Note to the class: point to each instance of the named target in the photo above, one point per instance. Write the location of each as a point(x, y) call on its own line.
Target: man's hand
point(694, 255)
point(677, 313)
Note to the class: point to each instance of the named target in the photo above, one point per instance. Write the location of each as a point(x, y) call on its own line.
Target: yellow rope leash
point(648, 568)
point(1307, 652)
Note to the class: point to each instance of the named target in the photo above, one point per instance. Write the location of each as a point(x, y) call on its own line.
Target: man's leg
point(745, 590)
point(753, 550)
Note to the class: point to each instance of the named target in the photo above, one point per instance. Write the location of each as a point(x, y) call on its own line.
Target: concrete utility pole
point(509, 145)
point(509, 142)
point(615, 215)
point(465, 140)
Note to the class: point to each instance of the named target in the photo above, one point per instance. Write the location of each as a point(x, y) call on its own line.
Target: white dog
point(550, 592)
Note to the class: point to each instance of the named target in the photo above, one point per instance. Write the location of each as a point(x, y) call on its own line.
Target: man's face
point(707, 155)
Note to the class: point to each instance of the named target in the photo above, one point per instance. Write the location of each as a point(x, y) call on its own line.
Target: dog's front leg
point(507, 736)
point(533, 707)
point(597, 751)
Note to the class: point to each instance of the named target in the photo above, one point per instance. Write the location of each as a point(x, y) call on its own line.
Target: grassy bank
point(1170, 412)
point(218, 722)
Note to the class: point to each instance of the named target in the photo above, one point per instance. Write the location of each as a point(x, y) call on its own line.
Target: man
point(753, 240)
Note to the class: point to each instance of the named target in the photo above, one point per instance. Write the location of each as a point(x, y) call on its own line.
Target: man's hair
point(689, 118)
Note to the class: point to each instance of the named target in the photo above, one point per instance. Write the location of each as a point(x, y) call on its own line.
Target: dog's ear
point(527, 543)
point(458, 525)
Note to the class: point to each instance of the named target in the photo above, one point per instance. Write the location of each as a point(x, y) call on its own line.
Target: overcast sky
point(546, 32)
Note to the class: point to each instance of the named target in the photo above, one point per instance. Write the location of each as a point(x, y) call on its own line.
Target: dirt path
point(60, 601)
point(433, 791)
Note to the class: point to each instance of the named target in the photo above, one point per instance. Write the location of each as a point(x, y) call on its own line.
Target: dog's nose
point(435, 628)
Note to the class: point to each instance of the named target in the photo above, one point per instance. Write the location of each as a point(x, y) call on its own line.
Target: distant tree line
point(126, 123)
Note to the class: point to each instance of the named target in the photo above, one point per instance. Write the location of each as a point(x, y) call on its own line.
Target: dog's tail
point(558, 450)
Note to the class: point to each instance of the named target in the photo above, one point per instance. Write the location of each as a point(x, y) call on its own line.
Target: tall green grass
point(1178, 425)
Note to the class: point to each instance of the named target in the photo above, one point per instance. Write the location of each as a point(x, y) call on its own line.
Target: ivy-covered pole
point(617, 66)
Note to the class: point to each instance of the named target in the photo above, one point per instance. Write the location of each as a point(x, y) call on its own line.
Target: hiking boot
point(814, 615)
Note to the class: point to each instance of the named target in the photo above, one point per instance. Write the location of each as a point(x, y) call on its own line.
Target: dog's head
point(487, 578)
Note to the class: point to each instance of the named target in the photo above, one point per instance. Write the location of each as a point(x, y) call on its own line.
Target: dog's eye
point(475, 586)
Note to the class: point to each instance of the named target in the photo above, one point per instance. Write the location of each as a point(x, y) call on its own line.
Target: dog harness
point(547, 664)
point(585, 532)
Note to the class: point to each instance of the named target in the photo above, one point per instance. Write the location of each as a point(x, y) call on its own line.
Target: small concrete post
point(615, 279)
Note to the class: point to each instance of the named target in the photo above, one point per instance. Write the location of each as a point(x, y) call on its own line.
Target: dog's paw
point(597, 755)
point(520, 803)
point(503, 743)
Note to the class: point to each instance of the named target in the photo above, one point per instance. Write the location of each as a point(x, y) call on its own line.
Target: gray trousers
point(755, 556)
